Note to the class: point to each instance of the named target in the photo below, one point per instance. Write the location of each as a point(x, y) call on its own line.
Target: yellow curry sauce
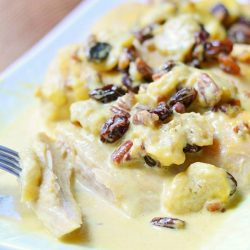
point(150, 116)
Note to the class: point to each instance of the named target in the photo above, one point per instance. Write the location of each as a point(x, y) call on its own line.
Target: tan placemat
point(24, 22)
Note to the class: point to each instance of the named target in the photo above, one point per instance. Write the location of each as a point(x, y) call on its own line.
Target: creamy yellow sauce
point(106, 227)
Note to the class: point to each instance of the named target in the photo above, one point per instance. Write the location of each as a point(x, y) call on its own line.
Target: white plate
point(17, 84)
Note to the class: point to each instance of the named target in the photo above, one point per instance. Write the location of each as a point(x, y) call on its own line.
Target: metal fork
point(10, 161)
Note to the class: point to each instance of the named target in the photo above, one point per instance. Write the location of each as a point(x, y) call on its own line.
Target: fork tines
point(9, 161)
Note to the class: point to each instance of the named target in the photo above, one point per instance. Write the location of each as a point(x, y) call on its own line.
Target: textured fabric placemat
point(24, 22)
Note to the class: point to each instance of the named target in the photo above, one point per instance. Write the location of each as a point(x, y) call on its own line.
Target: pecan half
point(240, 32)
point(228, 64)
point(163, 111)
point(144, 69)
point(118, 111)
point(168, 222)
point(191, 148)
point(179, 108)
point(113, 129)
point(185, 96)
point(144, 117)
point(126, 102)
point(107, 93)
point(122, 153)
point(208, 90)
point(216, 47)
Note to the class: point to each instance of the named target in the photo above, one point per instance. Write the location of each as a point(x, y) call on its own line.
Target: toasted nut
point(122, 152)
point(240, 33)
point(144, 69)
point(208, 91)
point(179, 108)
point(144, 117)
point(168, 222)
point(215, 206)
point(229, 65)
point(216, 47)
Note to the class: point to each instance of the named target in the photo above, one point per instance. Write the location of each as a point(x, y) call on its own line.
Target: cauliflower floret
point(64, 84)
point(201, 184)
point(178, 36)
point(90, 114)
point(158, 13)
point(166, 144)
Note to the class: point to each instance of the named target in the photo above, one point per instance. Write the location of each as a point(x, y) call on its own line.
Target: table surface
point(24, 22)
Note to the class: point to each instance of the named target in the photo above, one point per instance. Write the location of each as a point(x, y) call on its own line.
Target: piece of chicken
point(46, 185)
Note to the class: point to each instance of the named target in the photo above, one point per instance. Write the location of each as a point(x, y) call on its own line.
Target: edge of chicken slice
point(49, 194)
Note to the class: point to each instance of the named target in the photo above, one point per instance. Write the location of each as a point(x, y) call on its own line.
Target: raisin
point(144, 34)
point(144, 69)
point(128, 55)
point(216, 47)
point(220, 12)
point(132, 53)
point(240, 32)
point(107, 93)
point(196, 57)
point(150, 161)
point(163, 111)
point(228, 64)
point(233, 183)
point(168, 222)
point(128, 83)
point(166, 67)
point(185, 96)
point(202, 35)
point(121, 153)
point(99, 51)
point(191, 148)
point(113, 129)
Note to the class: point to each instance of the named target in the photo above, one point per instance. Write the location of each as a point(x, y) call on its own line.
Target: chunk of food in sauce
point(47, 185)
point(201, 185)
point(133, 106)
